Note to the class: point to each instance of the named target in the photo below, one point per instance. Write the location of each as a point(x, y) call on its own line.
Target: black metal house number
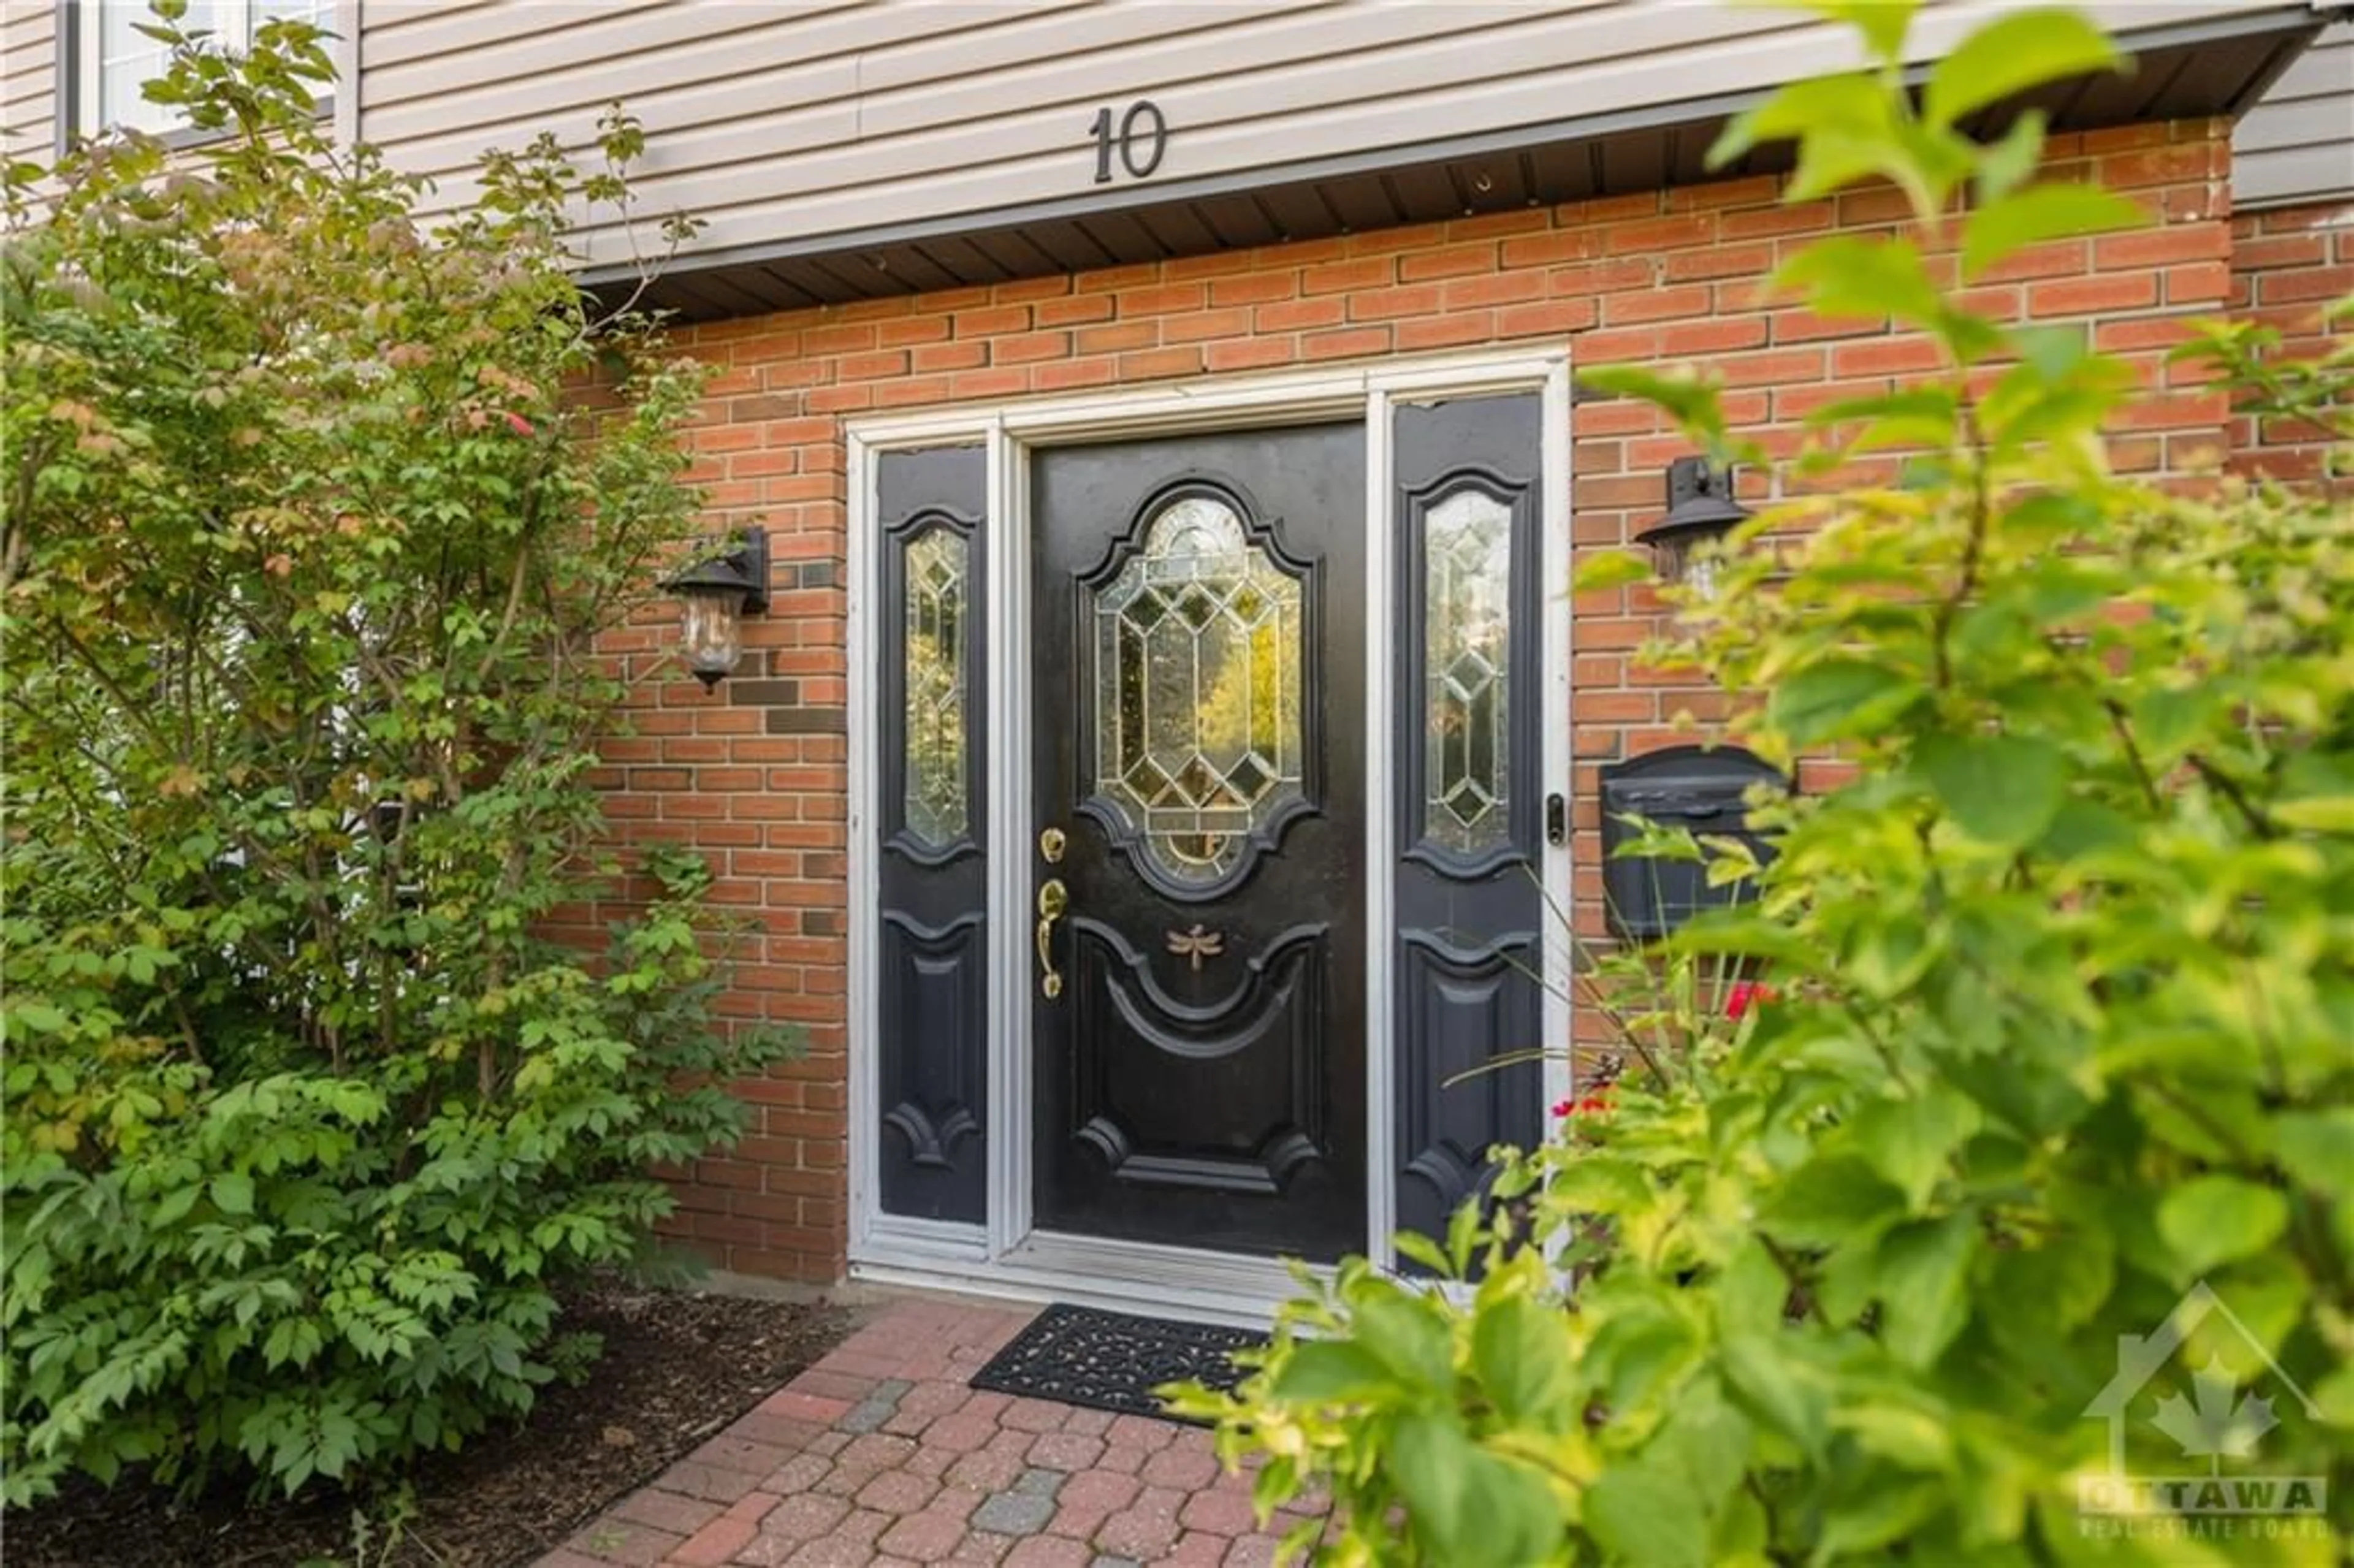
point(1142, 137)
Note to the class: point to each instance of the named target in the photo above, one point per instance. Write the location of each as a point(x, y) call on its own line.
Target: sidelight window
point(1466, 608)
point(936, 575)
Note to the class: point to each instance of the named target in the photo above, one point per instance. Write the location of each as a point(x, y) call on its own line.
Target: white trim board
point(1381, 851)
point(862, 561)
point(1005, 1256)
point(1088, 1271)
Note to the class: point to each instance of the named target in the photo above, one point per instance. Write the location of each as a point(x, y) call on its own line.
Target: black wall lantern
point(718, 589)
point(1700, 508)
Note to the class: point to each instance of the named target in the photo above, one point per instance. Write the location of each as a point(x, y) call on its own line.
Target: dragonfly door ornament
point(1196, 944)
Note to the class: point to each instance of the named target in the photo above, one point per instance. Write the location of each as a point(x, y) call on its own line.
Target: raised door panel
point(1224, 1095)
point(1466, 1008)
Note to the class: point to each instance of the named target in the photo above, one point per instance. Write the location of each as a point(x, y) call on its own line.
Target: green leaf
point(2004, 227)
point(1829, 1200)
point(2000, 789)
point(1888, 955)
point(2067, 1278)
point(1415, 1247)
point(37, 1016)
point(2006, 165)
point(1707, 1440)
point(1752, 1291)
point(1850, 276)
point(2212, 1220)
point(1900, 1433)
point(1681, 393)
point(1854, 105)
point(2056, 354)
point(1909, 1140)
point(1520, 1352)
point(1321, 1371)
point(2317, 813)
point(1613, 568)
point(233, 1193)
point(2317, 1148)
point(2334, 1397)
point(174, 1206)
point(2016, 51)
point(1403, 1331)
point(1642, 1512)
point(1838, 697)
point(1915, 417)
point(1875, 1508)
point(1783, 1392)
point(1923, 1269)
point(1470, 1506)
point(1638, 1352)
point(1832, 160)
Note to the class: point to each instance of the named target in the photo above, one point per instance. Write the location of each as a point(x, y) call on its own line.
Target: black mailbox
point(1694, 788)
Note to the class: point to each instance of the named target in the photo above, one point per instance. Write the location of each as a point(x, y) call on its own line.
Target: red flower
point(518, 424)
point(1595, 1103)
point(1744, 995)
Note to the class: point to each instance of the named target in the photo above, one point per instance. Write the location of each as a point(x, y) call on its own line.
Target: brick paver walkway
point(880, 1454)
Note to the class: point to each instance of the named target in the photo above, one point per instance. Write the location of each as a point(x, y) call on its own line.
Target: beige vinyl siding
point(794, 121)
point(2297, 144)
point(30, 79)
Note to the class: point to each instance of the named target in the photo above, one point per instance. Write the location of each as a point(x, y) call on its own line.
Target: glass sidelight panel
point(1467, 684)
point(936, 576)
point(930, 1122)
point(1472, 928)
point(1197, 690)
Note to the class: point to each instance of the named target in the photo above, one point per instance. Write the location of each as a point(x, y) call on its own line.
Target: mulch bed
point(678, 1365)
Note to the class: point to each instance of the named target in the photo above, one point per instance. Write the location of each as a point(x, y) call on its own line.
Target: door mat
point(1111, 1361)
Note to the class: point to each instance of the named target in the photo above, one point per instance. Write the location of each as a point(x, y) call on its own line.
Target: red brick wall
point(754, 772)
point(2285, 265)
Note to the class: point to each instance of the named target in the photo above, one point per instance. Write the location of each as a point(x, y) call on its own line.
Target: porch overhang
point(2212, 67)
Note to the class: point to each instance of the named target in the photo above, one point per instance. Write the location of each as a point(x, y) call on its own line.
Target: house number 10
point(1142, 137)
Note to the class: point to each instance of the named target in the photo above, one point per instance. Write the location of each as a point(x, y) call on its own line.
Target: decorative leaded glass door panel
point(1198, 683)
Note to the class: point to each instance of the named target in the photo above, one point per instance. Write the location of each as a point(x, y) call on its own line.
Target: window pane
point(1197, 699)
point(128, 59)
point(936, 575)
point(1467, 627)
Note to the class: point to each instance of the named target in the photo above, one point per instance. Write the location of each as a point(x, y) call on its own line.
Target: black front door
point(1198, 683)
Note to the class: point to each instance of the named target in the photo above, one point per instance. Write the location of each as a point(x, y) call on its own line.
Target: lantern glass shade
point(1681, 560)
point(717, 591)
point(712, 631)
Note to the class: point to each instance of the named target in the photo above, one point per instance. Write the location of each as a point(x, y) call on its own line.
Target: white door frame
point(1006, 1255)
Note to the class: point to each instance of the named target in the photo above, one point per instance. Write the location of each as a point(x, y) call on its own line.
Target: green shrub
point(2064, 1010)
point(314, 523)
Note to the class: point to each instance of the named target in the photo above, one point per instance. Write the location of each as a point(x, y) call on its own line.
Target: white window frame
point(80, 33)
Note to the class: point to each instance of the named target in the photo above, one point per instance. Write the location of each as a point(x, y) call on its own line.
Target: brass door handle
point(1053, 899)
